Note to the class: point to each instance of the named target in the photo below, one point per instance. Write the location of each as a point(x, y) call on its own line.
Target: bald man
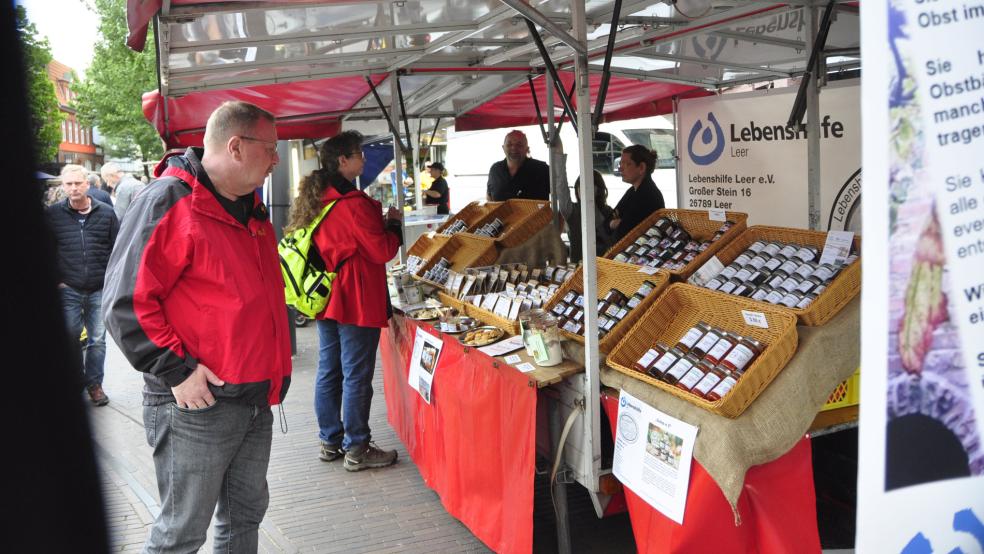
point(195, 301)
point(518, 175)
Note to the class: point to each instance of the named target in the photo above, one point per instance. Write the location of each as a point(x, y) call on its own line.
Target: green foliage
point(46, 118)
point(110, 98)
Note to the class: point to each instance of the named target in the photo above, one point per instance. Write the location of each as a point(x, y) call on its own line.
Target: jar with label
point(714, 284)
point(692, 336)
point(790, 284)
point(703, 246)
point(807, 253)
point(544, 339)
point(772, 248)
point(649, 358)
point(790, 265)
point(760, 293)
point(742, 355)
point(610, 324)
point(680, 234)
point(664, 225)
point(807, 300)
point(635, 301)
point(757, 278)
point(693, 376)
point(640, 241)
point(710, 338)
point(757, 246)
point(729, 271)
point(569, 297)
point(654, 232)
point(679, 369)
point(743, 259)
point(711, 378)
point(776, 279)
point(808, 285)
point(822, 287)
point(615, 296)
point(659, 367)
point(621, 257)
point(774, 296)
point(721, 347)
point(745, 272)
point(826, 272)
point(806, 269)
point(559, 308)
point(789, 250)
point(774, 262)
point(743, 289)
point(729, 286)
point(791, 299)
point(758, 261)
point(722, 388)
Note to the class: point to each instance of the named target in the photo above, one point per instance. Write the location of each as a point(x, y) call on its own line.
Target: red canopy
point(304, 109)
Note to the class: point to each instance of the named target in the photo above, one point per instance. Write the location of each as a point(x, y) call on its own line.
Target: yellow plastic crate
point(848, 393)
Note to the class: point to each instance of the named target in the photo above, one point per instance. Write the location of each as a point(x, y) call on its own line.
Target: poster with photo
point(921, 465)
point(653, 453)
point(423, 363)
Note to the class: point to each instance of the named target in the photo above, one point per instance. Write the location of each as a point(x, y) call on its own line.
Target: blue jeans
point(343, 387)
point(209, 460)
point(85, 308)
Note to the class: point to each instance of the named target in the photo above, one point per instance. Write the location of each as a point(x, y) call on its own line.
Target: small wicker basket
point(696, 222)
point(522, 219)
point(470, 214)
point(680, 307)
point(839, 292)
point(463, 251)
point(627, 279)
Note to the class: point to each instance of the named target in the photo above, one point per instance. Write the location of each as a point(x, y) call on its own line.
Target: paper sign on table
point(526, 367)
point(837, 247)
point(503, 347)
point(653, 453)
point(513, 359)
point(708, 271)
point(423, 362)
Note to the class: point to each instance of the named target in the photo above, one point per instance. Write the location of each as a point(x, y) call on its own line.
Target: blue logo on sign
point(706, 138)
point(622, 401)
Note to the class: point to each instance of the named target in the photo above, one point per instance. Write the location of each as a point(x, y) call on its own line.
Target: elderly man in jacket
point(85, 230)
point(195, 300)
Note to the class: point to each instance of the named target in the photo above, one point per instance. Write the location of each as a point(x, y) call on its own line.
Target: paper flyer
point(423, 363)
point(653, 453)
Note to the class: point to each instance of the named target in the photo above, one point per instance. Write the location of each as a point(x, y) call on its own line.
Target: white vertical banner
point(921, 468)
point(737, 153)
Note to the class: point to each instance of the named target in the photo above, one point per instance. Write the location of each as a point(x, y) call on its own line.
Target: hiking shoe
point(330, 452)
point(368, 456)
point(97, 396)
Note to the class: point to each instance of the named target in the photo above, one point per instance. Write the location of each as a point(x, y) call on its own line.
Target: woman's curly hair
point(308, 203)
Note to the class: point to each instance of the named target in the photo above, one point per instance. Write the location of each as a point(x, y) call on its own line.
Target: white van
point(470, 154)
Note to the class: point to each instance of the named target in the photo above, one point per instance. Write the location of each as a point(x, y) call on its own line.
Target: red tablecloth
point(475, 444)
point(777, 507)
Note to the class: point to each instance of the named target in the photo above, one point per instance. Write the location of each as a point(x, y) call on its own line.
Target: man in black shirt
point(638, 163)
point(518, 176)
point(438, 193)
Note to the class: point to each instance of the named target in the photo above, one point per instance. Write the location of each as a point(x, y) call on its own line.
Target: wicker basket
point(683, 305)
point(426, 245)
point(627, 279)
point(470, 214)
point(522, 219)
point(839, 292)
point(695, 222)
point(490, 318)
point(463, 251)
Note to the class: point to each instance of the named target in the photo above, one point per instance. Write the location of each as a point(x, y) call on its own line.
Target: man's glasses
point(357, 154)
point(272, 149)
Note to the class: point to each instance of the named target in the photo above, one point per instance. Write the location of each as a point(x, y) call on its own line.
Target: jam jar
point(711, 378)
point(721, 348)
point(710, 338)
point(693, 376)
point(679, 369)
point(742, 355)
point(664, 362)
point(723, 387)
point(649, 358)
point(692, 336)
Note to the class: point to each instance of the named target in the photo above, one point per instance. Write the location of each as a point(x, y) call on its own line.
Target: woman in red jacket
point(355, 241)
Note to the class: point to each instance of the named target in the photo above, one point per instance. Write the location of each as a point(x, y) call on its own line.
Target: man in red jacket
point(194, 298)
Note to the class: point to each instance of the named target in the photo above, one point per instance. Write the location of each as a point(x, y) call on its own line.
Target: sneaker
point(368, 456)
point(330, 452)
point(97, 396)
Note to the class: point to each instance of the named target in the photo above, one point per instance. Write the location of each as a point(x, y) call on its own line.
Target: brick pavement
point(315, 506)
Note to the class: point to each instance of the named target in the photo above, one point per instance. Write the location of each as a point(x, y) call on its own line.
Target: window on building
point(64, 131)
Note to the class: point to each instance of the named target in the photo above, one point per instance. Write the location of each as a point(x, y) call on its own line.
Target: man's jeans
point(213, 459)
point(343, 387)
point(85, 308)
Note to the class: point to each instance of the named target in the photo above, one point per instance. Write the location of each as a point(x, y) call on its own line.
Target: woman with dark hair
point(644, 198)
point(356, 242)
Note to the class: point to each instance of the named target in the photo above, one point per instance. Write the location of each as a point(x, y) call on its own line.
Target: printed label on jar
point(707, 383)
point(680, 368)
point(724, 387)
point(739, 356)
point(708, 342)
point(692, 377)
point(720, 349)
point(665, 362)
point(649, 357)
point(774, 297)
point(728, 287)
point(691, 337)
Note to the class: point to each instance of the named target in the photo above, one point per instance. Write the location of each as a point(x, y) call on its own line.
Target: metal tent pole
point(813, 128)
point(397, 152)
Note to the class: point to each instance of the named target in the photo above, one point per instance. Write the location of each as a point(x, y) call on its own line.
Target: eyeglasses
point(272, 149)
point(359, 154)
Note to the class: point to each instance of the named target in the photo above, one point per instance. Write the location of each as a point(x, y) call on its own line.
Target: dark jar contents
point(679, 369)
point(665, 362)
point(694, 334)
point(650, 357)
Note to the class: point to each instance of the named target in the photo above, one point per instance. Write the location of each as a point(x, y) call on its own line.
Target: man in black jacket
point(85, 230)
point(518, 175)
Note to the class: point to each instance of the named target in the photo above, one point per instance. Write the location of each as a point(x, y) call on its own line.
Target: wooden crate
point(695, 222)
point(470, 214)
point(627, 279)
point(463, 251)
point(679, 308)
point(839, 292)
point(522, 219)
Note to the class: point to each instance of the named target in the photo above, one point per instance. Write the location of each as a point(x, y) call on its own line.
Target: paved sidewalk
point(314, 506)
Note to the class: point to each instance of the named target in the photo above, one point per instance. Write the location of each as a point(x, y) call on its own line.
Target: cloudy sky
point(71, 29)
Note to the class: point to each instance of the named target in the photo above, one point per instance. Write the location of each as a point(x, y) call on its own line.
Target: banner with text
point(921, 466)
point(737, 153)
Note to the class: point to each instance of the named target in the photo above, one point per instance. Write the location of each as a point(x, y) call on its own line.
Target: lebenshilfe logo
point(709, 135)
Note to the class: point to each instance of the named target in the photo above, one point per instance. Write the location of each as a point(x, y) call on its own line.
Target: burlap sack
point(778, 418)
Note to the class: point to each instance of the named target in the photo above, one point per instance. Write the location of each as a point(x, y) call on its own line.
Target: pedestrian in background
point(85, 230)
point(438, 194)
point(356, 242)
point(124, 187)
point(195, 301)
point(96, 190)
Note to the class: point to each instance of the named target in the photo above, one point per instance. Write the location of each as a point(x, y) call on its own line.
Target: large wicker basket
point(695, 222)
point(491, 318)
point(470, 214)
point(683, 305)
point(426, 245)
point(522, 219)
point(839, 292)
point(613, 275)
point(463, 251)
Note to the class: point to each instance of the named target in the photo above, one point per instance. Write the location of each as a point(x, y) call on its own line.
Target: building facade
point(77, 145)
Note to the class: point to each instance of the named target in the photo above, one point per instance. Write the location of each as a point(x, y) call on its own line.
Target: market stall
point(468, 417)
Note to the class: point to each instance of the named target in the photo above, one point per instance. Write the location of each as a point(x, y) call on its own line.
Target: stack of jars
point(667, 245)
point(778, 273)
point(706, 361)
point(438, 273)
point(612, 309)
point(491, 229)
point(414, 263)
point(457, 226)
